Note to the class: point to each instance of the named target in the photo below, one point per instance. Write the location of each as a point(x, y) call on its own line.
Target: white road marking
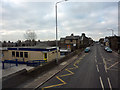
point(104, 63)
point(101, 83)
point(113, 65)
point(109, 83)
point(97, 68)
point(95, 60)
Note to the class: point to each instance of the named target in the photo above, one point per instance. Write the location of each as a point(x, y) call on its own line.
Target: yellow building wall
point(32, 55)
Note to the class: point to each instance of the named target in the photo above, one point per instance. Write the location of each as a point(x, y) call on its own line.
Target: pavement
point(13, 69)
point(41, 79)
point(96, 69)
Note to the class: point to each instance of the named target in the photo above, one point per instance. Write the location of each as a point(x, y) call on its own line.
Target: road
point(96, 69)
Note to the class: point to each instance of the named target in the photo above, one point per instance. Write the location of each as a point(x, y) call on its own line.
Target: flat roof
point(32, 49)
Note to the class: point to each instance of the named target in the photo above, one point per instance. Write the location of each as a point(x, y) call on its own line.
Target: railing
point(28, 63)
point(35, 62)
point(14, 61)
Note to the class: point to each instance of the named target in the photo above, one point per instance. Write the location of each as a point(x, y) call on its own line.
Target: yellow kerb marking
point(57, 84)
point(70, 73)
point(75, 65)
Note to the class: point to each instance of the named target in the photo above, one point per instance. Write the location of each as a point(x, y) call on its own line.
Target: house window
point(71, 40)
point(17, 54)
point(13, 53)
point(26, 54)
point(21, 54)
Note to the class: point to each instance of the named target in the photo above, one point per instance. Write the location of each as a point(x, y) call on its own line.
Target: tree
point(30, 35)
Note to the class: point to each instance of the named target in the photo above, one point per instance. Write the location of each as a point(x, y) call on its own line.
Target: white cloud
point(73, 17)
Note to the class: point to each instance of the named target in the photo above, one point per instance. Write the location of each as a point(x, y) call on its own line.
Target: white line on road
point(109, 83)
point(113, 65)
point(101, 83)
point(105, 65)
point(95, 60)
point(97, 68)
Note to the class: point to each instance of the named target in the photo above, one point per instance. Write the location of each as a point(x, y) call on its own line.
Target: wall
point(32, 55)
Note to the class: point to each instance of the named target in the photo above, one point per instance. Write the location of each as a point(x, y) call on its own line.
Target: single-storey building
point(30, 53)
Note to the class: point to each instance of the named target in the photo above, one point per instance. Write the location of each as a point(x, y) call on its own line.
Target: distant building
point(30, 53)
point(101, 40)
point(70, 42)
point(74, 42)
point(85, 41)
point(114, 42)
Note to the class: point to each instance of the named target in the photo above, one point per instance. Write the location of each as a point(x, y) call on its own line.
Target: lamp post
point(56, 28)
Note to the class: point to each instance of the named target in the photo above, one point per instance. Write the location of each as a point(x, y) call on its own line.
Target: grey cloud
point(72, 18)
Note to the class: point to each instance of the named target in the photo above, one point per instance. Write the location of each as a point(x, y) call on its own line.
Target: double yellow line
point(68, 70)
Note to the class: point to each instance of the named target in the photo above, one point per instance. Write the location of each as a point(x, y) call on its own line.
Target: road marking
point(105, 65)
point(101, 83)
point(97, 68)
point(95, 60)
point(57, 84)
point(112, 65)
point(75, 65)
point(109, 83)
point(70, 73)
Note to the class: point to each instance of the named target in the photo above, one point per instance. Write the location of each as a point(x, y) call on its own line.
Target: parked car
point(109, 50)
point(87, 49)
point(106, 48)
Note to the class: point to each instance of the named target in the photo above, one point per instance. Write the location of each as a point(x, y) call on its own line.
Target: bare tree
point(30, 35)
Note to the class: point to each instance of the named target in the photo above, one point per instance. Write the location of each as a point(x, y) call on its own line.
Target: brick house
point(114, 42)
point(74, 42)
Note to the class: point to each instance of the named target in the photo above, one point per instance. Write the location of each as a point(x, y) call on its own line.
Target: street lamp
point(112, 31)
point(56, 28)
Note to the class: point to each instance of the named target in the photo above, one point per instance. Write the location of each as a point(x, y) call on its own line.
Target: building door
point(68, 46)
point(45, 56)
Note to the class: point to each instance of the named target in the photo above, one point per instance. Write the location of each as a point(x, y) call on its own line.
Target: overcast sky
point(91, 18)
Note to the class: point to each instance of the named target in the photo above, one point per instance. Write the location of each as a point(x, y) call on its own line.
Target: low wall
point(14, 79)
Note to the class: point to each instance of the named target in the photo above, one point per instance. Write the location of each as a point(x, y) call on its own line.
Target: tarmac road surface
point(96, 69)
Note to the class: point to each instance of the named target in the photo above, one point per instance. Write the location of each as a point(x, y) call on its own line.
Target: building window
point(71, 40)
point(17, 54)
point(13, 53)
point(26, 54)
point(21, 54)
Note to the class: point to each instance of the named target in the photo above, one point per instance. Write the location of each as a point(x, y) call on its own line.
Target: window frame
point(21, 55)
point(13, 55)
point(17, 54)
point(25, 53)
